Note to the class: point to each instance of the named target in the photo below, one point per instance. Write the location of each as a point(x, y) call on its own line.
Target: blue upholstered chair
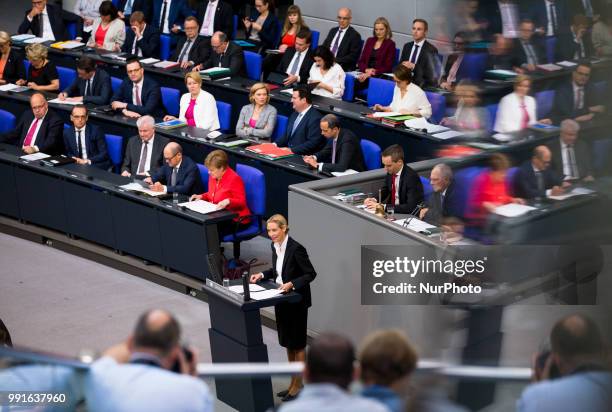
point(66, 76)
point(315, 39)
point(165, 44)
point(225, 115)
point(438, 106)
point(544, 102)
point(253, 63)
point(280, 128)
point(114, 145)
point(171, 99)
point(203, 176)
point(7, 121)
point(115, 83)
point(427, 188)
point(380, 91)
point(371, 154)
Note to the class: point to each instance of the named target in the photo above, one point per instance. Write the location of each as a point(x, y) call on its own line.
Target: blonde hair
point(293, 9)
point(384, 22)
point(256, 87)
point(5, 38)
point(195, 76)
point(36, 52)
point(217, 159)
point(520, 79)
point(280, 221)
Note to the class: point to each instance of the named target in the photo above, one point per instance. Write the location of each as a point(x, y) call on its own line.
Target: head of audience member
point(441, 177)
point(137, 21)
point(402, 76)
point(522, 85)
point(216, 162)
point(39, 105)
point(191, 27)
point(330, 126)
point(277, 228)
point(576, 342)
point(86, 68)
point(193, 82)
point(303, 39)
point(499, 165)
point(259, 95)
point(294, 19)
point(173, 154)
point(526, 30)
point(345, 15)
point(580, 25)
point(5, 336)
point(382, 29)
point(393, 159)
point(39, 4)
point(78, 116)
point(419, 29)
point(134, 70)
point(330, 359)
point(37, 55)
point(569, 130)
point(146, 127)
point(219, 42)
point(108, 11)
point(324, 58)
point(541, 158)
point(500, 46)
point(386, 358)
point(459, 42)
point(582, 73)
point(468, 94)
point(5, 43)
point(301, 99)
point(157, 333)
point(264, 6)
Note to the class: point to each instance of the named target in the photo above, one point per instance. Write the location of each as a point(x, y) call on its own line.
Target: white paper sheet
point(266, 294)
point(377, 115)
point(566, 63)
point(135, 187)
point(35, 40)
point(58, 101)
point(10, 87)
point(252, 288)
point(149, 60)
point(35, 156)
point(22, 37)
point(72, 44)
point(422, 123)
point(449, 134)
point(163, 64)
point(513, 210)
point(345, 173)
point(200, 206)
point(577, 191)
point(415, 224)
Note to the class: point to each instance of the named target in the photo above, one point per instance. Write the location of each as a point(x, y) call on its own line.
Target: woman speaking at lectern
point(292, 270)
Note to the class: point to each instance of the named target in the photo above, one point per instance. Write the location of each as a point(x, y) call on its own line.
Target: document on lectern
point(266, 294)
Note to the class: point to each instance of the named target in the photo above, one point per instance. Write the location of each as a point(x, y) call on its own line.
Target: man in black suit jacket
point(576, 99)
point(169, 18)
point(421, 57)
point(91, 86)
point(575, 44)
point(344, 41)
point(297, 61)
point(592, 9)
point(303, 134)
point(143, 38)
point(443, 202)
point(191, 50)
point(570, 157)
point(225, 54)
point(220, 20)
point(403, 188)
point(85, 143)
point(341, 153)
point(38, 130)
point(138, 95)
point(144, 153)
point(127, 7)
point(535, 179)
point(179, 174)
point(528, 50)
point(41, 14)
point(550, 18)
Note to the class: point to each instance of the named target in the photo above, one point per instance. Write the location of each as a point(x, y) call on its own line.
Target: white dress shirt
point(210, 8)
point(47, 33)
point(280, 258)
point(147, 165)
point(397, 186)
point(341, 33)
point(83, 145)
point(166, 29)
point(40, 122)
point(510, 17)
point(509, 114)
point(567, 166)
point(300, 56)
point(420, 44)
point(88, 8)
point(550, 28)
point(139, 84)
point(334, 77)
point(415, 99)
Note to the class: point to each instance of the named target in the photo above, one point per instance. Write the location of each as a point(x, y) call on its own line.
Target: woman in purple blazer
point(378, 54)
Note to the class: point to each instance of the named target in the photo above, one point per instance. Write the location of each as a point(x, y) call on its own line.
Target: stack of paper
point(151, 60)
point(266, 294)
point(449, 134)
point(252, 288)
point(549, 67)
point(67, 45)
point(165, 64)
point(422, 123)
point(345, 173)
point(566, 63)
point(200, 206)
point(10, 87)
point(135, 187)
point(378, 115)
point(171, 124)
point(35, 156)
point(513, 210)
point(35, 40)
point(22, 37)
point(233, 143)
point(58, 101)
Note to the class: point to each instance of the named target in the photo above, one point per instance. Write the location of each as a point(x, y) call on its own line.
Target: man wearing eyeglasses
point(179, 174)
point(224, 54)
point(144, 153)
point(535, 178)
point(85, 143)
point(47, 21)
point(138, 95)
point(344, 41)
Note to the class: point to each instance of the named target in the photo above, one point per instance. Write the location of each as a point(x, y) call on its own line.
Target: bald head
point(344, 17)
point(576, 340)
point(541, 158)
point(39, 105)
point(173, 154)
point(156, 331)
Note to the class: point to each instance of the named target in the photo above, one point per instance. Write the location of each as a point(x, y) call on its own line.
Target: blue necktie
point(296, 123)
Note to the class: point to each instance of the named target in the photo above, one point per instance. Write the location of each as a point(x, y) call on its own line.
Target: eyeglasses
point(133, 71)
point(343, 18)
point(584, 74)
point(167, 159)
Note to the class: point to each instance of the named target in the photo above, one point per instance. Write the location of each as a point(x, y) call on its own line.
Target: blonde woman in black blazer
point(11, 61)
point(292, 270)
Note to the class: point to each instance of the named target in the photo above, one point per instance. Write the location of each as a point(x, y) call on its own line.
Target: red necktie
point(524, 116)
point(30, 135)
point(393, 176)
point(136, 92)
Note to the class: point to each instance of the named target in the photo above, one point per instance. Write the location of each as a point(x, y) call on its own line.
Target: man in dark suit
point(39, 130)
point(535, 179)
point(551, 17)
point(91, 86)
point(403, 189)
point(344, 41)
point(592, 9)
point(576, 99)
point(191, 50)
point(144, 153)
point(528, 50)
point(143, 38)
point(138, 95)
point(443, 202)
point(575, 44)
point(127, 7)
point(341, 153)
point(501, 16)
point(571, 160)
point(179, 174)
point(169, 16)
point(48, 21)
point(421, 57)
point(297, 61)
point(213, 16)
point(85, 143)
point(225, 54)
point(303, 135)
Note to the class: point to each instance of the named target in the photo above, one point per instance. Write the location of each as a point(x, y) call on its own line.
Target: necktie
point(209, 13)
point(441, 203)
point(540, 180)
point(79, 144)
point(452, 73)
point(127, 10)
point(334, 151)
point(41, 25)
point(296, 63)
point(173, 177)
point(143, 159)
point(579, 104)
point(30, 135)
point(221, 59)
point(524, 116)
point(334, 48)
point(184, 51)
point(531, 57)
point(553, 17)
point(87, 87)
point(415, 53)
point(137, 95)
point(393, 176)
point(573, 168)
point(162, 18)
point(296, 123)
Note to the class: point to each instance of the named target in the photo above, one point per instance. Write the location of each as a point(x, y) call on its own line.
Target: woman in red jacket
point(378, 55)
point(226, 190)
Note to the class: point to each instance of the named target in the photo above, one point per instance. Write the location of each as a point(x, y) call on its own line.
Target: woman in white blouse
point(408, 98)
point(517, 110)
point(198, 108)
point(326, 76)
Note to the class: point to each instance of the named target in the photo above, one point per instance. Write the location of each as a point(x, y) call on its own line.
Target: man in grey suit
point(144, 153)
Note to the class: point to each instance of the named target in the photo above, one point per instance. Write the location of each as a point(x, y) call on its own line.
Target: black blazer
point(100, 92)
point(563, 106)
point(426, 69)
point(187, 177)
point(57, 17)
point(410, 190)
point(149, 44)
point(224, 20)
point(199, 53)
point(307, 138)
point(348, 50)
point(304, 71)
point(519, 57)
point(145, 6)
point(536, 12)
point(232, 58)
point(297, 269)
point(179, 10)
point(268, 36)
point(526, 183)
point(583, 159)
point(150, 95)
point(437, 209)
point(14, 68)
point(132, 154)
point(566, 48)
point(348, 153)
point(49, 139)
point(95, 144)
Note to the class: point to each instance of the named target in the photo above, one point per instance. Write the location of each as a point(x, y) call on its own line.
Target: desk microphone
point(416, 210)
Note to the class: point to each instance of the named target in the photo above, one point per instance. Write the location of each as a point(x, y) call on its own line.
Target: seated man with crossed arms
point(179, 175)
